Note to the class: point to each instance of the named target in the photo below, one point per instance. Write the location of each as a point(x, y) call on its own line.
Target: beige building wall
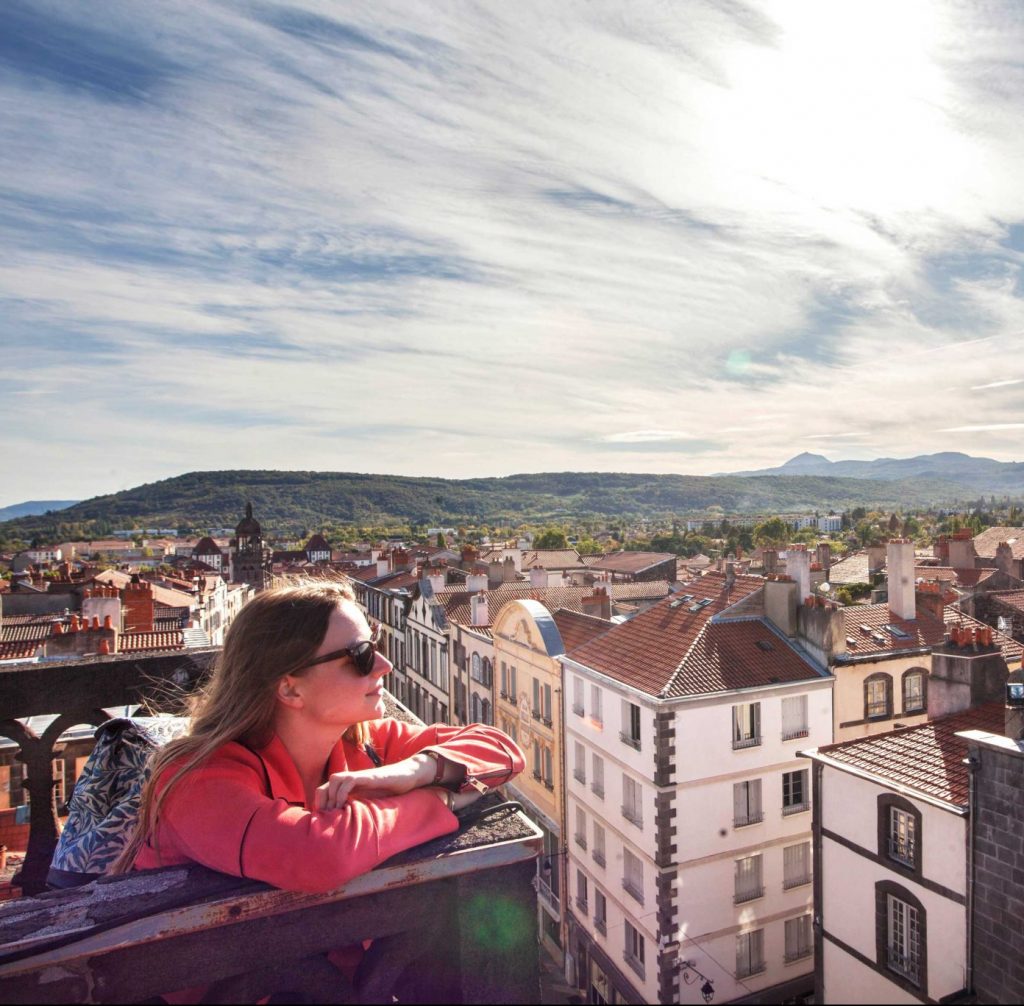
point(848, 701)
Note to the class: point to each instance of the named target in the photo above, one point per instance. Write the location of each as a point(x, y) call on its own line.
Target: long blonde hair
point(276, 633)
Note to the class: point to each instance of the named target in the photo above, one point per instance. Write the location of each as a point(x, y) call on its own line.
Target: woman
point(289, 774)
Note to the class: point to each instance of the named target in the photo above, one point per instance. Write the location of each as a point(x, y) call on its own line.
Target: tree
point(553, 537)
point(587, 546)
point(441, 543)
point(773, 532)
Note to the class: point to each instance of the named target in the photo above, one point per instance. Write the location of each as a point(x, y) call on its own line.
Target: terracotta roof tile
point(672, 649)
point(851, 569)
point(17, 650)
point(1011, 599)
point(577, 629)
point(865, 625)
point(633, 562)
point(927, 758)
point(552, 558)
point(135, 642)
point(986, 543)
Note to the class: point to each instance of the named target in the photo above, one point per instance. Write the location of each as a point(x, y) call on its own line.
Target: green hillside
point(289, 502)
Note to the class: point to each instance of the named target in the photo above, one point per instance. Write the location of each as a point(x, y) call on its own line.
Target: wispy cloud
point(468, 239)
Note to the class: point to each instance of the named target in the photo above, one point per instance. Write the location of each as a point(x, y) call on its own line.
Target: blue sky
point(476, 239)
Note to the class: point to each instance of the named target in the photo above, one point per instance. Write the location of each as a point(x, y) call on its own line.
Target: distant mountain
point(33, 507)
point(981, 475)
point(290, 503)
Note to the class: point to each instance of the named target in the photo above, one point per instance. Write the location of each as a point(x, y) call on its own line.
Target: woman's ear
point(289, 693)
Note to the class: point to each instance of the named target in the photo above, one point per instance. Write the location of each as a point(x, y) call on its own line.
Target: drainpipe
point(973, 762)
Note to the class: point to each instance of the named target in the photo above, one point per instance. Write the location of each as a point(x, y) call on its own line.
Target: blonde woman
point(289, 774)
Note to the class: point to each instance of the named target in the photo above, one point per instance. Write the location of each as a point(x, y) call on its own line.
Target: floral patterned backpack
point(105, 804)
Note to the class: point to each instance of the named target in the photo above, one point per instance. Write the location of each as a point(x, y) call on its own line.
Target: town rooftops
point(161, 595)
point(576, 628)
point(632, 562)
point(875, 628)
point(852, 569)
point(675, 648)
point(206, 546)
point(1010, 598)
point(926, 759)
point(318, 543)
point(552, 558)
point(986, 543)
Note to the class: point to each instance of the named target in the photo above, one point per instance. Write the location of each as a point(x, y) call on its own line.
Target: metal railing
point(579, 775)
point(792, 735)
point(597, 789)
point(796, 808)
point(753, 818)
point(800, 881)
point(746, 742)
point(750, 894)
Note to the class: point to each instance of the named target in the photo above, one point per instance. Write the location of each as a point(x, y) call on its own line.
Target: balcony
point(792, 735)
point(749, 894)
point(796, 808)
point(799, 954)
point(746, 742)
point(601, 926)
point(132, 938)
point(598, 857)
point(791, 882)
point(754, 817)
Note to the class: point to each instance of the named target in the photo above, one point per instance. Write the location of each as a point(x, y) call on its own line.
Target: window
point(749, 953)
point(505, 691)
point(600, 911)
point(746, 803)
point(595, 705)
point(749, 883)
point(577, 696)
point(913, 691)
point(904, 939)
point(598, 851)
point(796, 865)
point(536, 708)
point(549, 777)
point(746, 725)
point(630, 733)
point(477, 668)
point(795, 795)
point(634, 949)
point(632, 875)
point(536, 759)
point(794, 717)
point(799, 941)
point(581, 828)
point(632, 807)
point(902, 836)
point(877, 697)
point(485, 713)
point(597, 780)
point(581, 891)
point(513, 690)
point(545, 712)
point(579, 771)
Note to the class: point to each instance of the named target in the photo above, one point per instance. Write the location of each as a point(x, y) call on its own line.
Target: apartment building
point(689, 861)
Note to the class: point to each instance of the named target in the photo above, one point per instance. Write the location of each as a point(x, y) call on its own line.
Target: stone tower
point(250, 558)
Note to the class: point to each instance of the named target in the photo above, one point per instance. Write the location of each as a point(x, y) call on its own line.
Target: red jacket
point(243, 812)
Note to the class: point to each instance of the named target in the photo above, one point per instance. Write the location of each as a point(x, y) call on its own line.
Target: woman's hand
point(386, 780)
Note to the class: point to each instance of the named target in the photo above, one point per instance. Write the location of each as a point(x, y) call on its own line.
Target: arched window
point(901, 937)
point(476, 667)
point(474, 705)
point(488, 673)
point(485, 712)
point(878, 697)
point(915, 690)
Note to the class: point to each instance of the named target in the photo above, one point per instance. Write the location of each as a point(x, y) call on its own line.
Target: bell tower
point(250, 558)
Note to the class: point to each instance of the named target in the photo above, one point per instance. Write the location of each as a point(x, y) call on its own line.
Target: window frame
point(751, 817)
point(884, 679)
point(746, 725)
point(752, 967)
point(753, 877)
point(631, 724)
point(804, 948)
point(887, 891)
point(632, 810)
point(909, 674)
point(633, 949)
point(804, 803)
point(886, 804)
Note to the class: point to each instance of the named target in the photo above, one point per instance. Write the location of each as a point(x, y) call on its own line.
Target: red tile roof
point(927, 758)
point(632, 562)
point(1011, 599)
point(986, 543)
point(17, 650)
point(552, 558)
point(135, 642)
point(865, 626)
point(672, 650)
point(577, 629)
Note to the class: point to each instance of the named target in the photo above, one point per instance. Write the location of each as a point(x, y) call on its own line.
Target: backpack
point(104, 806)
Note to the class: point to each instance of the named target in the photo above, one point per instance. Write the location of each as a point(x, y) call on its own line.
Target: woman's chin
point(376, 703)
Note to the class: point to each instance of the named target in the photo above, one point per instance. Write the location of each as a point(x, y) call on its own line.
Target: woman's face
point(334, 693)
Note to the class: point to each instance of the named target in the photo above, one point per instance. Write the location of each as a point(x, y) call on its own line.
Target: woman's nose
point(381, 666)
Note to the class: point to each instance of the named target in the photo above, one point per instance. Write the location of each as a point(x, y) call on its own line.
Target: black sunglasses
point(362, 654)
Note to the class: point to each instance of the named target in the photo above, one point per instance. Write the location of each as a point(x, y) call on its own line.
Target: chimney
point(823, 554)
point(102, 603)
point(138, 608)
point(1004, 558)
point(538, 577)
point(967, 670)
point(382, 566)
point(900, 563)
point(476, 582)
point(770, 561)
point(509, 571)
point(876, 558)
point(599, 604)
point(495, 573)
point(478, 608)
point(437, 579)
point(961, 551)
point(822, 629)
point(941, 550)
point(399, 560)
point(798, 568)
point(469, 556)
point(928, 597)
point(730, 574)
point(780, 603)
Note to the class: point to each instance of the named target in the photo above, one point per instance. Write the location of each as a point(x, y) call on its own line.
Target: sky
point(466, 239)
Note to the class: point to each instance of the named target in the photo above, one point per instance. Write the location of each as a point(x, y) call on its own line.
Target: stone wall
point(999, 875)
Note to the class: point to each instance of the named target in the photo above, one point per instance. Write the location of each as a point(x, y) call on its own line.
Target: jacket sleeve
point(220, 817)
point(488, 754)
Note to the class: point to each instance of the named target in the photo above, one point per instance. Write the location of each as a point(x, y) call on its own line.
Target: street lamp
point(690, 975)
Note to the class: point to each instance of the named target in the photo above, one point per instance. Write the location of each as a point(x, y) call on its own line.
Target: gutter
point(973, 763)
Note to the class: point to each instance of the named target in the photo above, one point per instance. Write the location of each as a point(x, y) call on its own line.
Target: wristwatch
point(440, 762)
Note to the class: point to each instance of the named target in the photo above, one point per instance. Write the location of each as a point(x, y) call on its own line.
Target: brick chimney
point(81, 640)
point(599, 604)
point(900, 575)
point(479, 609)
point(928, 597)
point(823, 554)
point(469, 556)
point(103, 602)
point(1004, 559)
point(941, 550)
point(138, 606)
point(382, 565)
point(400, 560)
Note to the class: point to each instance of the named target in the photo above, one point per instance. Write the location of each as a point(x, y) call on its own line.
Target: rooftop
point(986, 543)
point(678, 647)
point(632, 562)
point(577, 629)
point(927, 759)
